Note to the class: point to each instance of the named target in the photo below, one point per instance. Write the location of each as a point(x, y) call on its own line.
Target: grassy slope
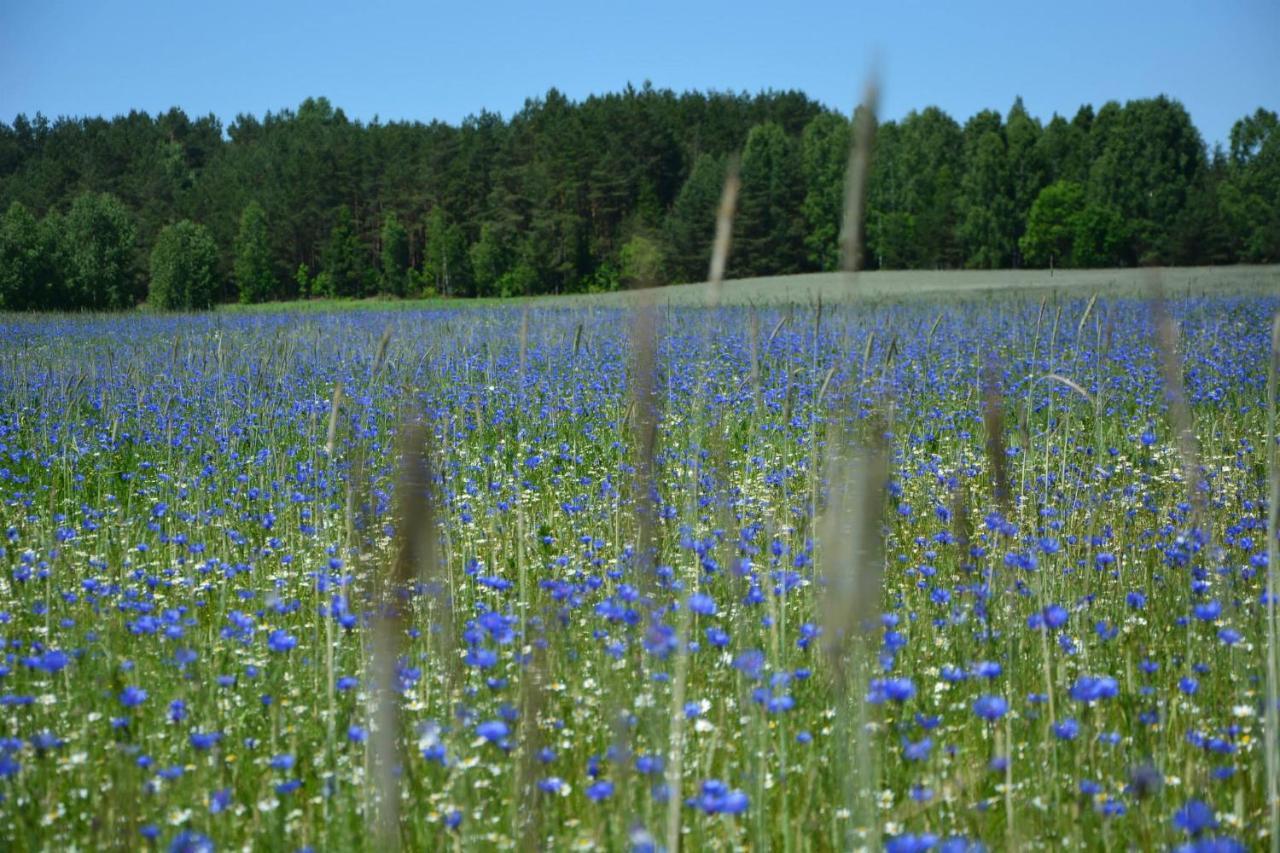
point(907, 284)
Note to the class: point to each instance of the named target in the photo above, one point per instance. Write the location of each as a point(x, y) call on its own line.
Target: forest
point(613, 191)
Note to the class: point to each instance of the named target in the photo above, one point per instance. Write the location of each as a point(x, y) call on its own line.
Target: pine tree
point(769, 232)
point(691, 224)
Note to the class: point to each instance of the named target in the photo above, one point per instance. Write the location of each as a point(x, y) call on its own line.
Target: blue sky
point(426, 60)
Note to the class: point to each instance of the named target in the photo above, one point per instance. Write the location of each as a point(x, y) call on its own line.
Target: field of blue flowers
point(510, 577)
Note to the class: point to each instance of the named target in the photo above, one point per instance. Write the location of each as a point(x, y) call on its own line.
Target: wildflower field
point(983, 575)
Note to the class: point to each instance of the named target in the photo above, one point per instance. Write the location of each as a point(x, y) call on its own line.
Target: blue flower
point(1208, 611)
point(908, 843)
point(1066, 729)
point(917, 751)
point(494, 731)
point(281, 641)
point(715, 797)
point(190, 841)
point(750, 663)
point(1091, 688)
point(702, 604)
point(219, 800)
point(132, 697)
point(1194, 818)
point(987, 669)
point(891, 689)
point(205, 740)
point(991, 708)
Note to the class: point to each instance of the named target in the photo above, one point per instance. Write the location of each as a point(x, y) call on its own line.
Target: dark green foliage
point(254, 271)
point(691, 226)
point(100, 254)
point(446, 267)
point(547, 201)
point(1148, 158)
point(1251, 193)
point(184, 268)
point(1025, 169)
point(641, 263)
point(394, 279)
point(769, 233)
point(32, 262)
point(986, 205)
point(344, 265)
point(913, 209)
point(824, 149)
point(1053, 225)
point(491, 259)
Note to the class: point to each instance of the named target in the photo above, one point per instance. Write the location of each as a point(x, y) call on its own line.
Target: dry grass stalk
point(851, 563)
point(676, 717)
point(1175, 394)
point(855, 180)
point(724, 232)
point(993, 424)
point(334, 404)
point(414, 558)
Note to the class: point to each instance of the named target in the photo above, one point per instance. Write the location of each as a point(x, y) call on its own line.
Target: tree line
point(613, 191)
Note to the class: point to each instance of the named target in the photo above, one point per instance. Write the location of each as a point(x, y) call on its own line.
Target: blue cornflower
point(750, 663)
point(715, 797)
point(702, 604)
point(281, 641)
point(493, 731)
point(190, 841)
point(991, 707)
point(1208, 611)
point(1066, 729)
point(219, 800)
point(891, 689)
point(205, 740)
point(1194, 818)
point(1091, 688)
point(908, 843)
point(987, 669)
point(918, 751)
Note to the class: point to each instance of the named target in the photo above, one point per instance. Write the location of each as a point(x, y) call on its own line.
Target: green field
point(877, 285)
point(568, 575)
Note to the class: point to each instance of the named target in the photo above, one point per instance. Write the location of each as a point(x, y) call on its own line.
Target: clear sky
point(445, 60)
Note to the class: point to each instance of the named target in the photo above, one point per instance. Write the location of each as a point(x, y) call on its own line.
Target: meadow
point(985, 572)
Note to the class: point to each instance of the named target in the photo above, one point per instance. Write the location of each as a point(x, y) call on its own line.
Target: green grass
point(874, 286)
